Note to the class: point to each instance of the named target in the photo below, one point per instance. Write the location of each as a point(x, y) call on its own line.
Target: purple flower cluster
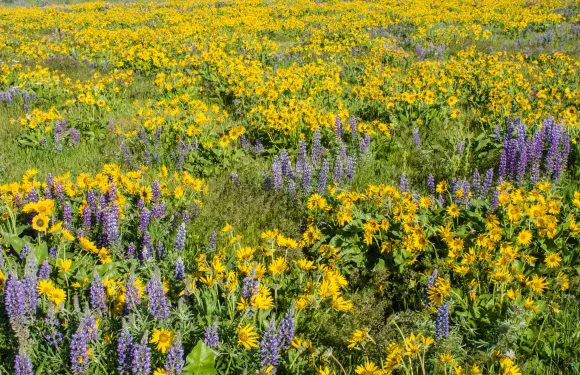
point(132, 298)
point(124, 352)
point(287, 329)
point(174, 362)
point(23, 364)
point(141, 358)
point(180, 238)
point(158, 303)
point(270, 346)
point(442, 321)
point(210, 336)
point(97, 294)
point(79, 345)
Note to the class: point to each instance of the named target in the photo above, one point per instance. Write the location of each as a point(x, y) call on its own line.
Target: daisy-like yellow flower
point(45, 287)
point(247, 337)
point(57, 296)
point(358, 336)
point(163, 338)
point(67, 235)
point(369, 368)
point(553, 260)
point(537, 284)
point(278, 266)
point(453, 211)
point(40, 222)
point(64, 264)
point(525, 237)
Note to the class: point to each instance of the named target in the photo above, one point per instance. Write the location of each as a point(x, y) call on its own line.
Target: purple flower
point(53, 251)
point(442, 321)
point(179, 271)
point(158, 303)
point(487, 182)
point(87, 215)
point(277, 177)
point(79, 345)
point(431, 183)
point(180, 238)
point(350, 168)
point(302, 157)
point(250, 285)
point(416, 138)
point(287, 328)
point(75, 136)
point(337, 175)
point(97, 294)
point(141, 358)
point(124, 352)
point(404, 183)
point(131, 251)
point(132, 298)
point(212, 242)
point(160, 249)
point(476, 181)
point(23, 364)
point(174, 362)
point(338, 126)
point(210, 336)
point(270, 346)
point(365, 143)
point(286, 164)
point(353, 127)
point(67, 216)
point(323, 176)
point(235, 179)
point(144, 217)
point(44, 273)
point(430, 282)
point(307, 179)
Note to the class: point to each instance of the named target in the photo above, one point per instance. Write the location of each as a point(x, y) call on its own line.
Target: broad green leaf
point(200, 361)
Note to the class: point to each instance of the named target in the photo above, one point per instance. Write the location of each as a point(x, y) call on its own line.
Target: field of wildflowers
point(374, 187)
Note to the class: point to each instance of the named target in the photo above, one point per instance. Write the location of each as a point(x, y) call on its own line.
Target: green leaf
point(200, 361)
point(41, 252)
point(16, 242)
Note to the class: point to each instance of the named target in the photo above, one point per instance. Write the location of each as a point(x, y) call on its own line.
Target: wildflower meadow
point(326, 187)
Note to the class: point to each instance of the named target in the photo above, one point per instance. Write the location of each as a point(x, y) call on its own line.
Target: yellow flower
point(64, 264)
point(160, 371)
point(537, 284)
point(369, 368)
point(40, 222)
point(226, 228)
point(446, 358)
point(247, 337)
point(67, 235)
point(453, 211)
point(525, 237)
point(278, 266)
point(56, 227)
point(358, 336)
point(45, 287)
point(553, 260)
point(341, 304)
point(57, 296)
point(163, 338)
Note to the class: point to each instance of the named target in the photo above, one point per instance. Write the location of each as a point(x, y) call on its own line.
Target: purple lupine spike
point(404, 184)
point(92, 200)
point(147, 248)
point(350, 168)
point(160, 249)
point(287, 329)
point(124, 351)
point(210, 336)
point(487, 182)
point(180, 238)
point(53, 252)
point(302, 157)
point(32, 196)
point(502, 169)
point(155, 191)
point(67, 216)
point(131, 251)
point(44, 273)
point(158, 303)
point(442, 321)
point(316, 153)
point(79, 345)
point(132, 298)
point(416, 138)
point(235, 179)
point(97, 294)
point(365, 143)
point(343, 151)
point(144, 217)
point(250, 285)
point(113, 224)
point(353, 127)
point(141, 358)
point(14, 301)
point(179, 271)
point(476, 182)
point(494, 203)
point(212, 242)
point(158, 209)
point(277, 177)
point(323, 176)
point(75, 136)
point(25, 251)
point(338, 126)
point(270, 346)
point(87, 215)
point(497, 132)
point(291, 187)
point(337, 175)
point(23, 364)
point(54, 337)
point(286, 164)
point(258, 147)
point(59, 192)
point(307, 179)
point(521, 166)
point(431, 183)
point(174, 362)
